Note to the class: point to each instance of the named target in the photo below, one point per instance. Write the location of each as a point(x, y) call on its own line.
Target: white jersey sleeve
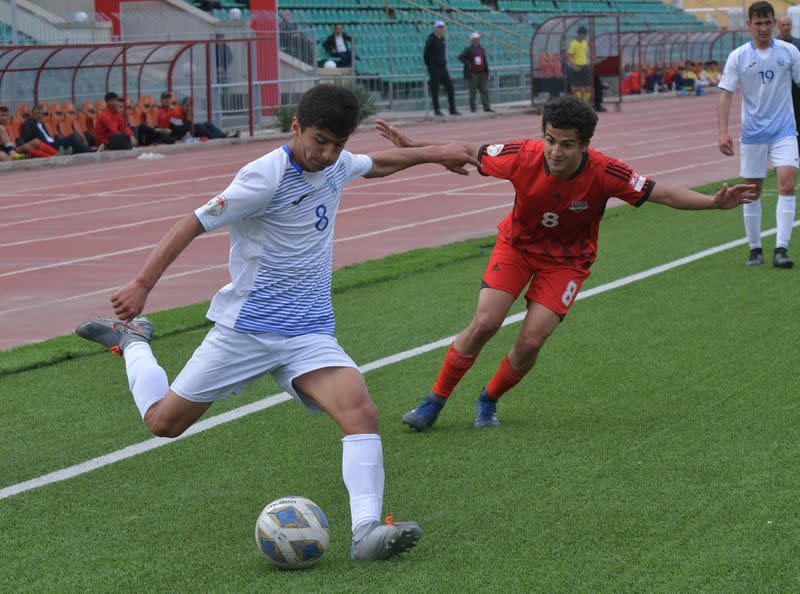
point(730, 75)
point(355, 165)
point(249, 194)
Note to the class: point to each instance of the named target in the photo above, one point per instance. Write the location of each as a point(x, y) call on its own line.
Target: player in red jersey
point(549, 240)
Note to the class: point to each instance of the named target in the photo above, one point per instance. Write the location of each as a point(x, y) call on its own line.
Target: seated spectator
point(8, 150)
point(655, 83)
point(681, 81)
point(111, 131)
point(35, 128)
point(691, 74)
point(209, 5)
point(632, 83)
point(338, 45)
point(171, 118)
point(204, 130)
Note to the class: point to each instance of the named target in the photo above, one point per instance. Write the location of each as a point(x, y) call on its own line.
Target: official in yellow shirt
point(578, 58)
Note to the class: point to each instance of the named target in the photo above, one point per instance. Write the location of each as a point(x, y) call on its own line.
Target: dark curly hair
point(568, 112)
point(329, 107)
point(760, 9)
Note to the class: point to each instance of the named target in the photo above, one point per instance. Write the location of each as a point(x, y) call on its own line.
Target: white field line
point(242, 411)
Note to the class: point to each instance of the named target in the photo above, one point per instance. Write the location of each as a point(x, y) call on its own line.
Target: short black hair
point(111, 95)
point(329, 107)
point(760, 9)
point(568, 112)
point(166, 95)
point(583, 30)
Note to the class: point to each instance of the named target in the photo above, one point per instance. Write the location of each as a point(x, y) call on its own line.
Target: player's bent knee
point(485, 325)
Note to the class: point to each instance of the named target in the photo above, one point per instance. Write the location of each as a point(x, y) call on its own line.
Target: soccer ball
point(329, 65)
point(292, 533)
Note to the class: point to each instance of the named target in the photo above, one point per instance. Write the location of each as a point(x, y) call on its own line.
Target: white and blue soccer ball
point(292, 533)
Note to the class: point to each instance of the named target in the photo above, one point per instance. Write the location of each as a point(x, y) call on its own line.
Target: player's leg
point(552, 292)
point(753, 167)
point(506, 275)
point(784, 156)
point(341, 393)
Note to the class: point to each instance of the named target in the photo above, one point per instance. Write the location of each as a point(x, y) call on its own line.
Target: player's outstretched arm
point(452, 156)
point(683, 199)
point(128, 301)
point(393, 134)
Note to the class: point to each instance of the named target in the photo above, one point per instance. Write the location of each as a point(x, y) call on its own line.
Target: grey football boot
point(116, 335)
point(374, 541)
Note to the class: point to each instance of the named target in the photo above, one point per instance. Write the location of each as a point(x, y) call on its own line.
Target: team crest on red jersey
point(578, 205)
point(216, 206)
point(494, 149)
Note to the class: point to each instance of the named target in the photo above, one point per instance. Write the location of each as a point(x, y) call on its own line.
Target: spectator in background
point(435, 57)
point(209, 5)
point(785, 34)
point(632, 83)
point(35, 128)
point(111, 131)
point(292, 41)
point(171, 118)
point(681, 81)
point(655, 83)
point(204, 130)
point(599, 88)
point(578, 63)
point(338, 45)
point(476, 71)
point(8, 148)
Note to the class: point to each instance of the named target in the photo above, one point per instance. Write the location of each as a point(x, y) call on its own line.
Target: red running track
point(71, 235)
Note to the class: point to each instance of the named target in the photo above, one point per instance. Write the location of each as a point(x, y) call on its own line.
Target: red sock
point(454, 367)
point(505, 378)
point(37, 153)
point(47, 149)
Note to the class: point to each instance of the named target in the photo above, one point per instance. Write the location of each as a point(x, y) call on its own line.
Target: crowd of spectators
point(112, 123)
point(677, 77)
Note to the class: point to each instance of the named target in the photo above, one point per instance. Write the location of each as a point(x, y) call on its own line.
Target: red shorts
point(553, 284)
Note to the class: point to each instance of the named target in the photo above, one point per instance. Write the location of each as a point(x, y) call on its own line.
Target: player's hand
point(455, 157)
point(393, 134)
point(732, 197)
point(128, 301)
point(725, 145)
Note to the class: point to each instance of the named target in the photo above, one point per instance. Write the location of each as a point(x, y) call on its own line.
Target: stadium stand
point(506, 31)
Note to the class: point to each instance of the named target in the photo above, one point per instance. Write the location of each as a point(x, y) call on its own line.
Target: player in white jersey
point(275, 316)
point(765, 67)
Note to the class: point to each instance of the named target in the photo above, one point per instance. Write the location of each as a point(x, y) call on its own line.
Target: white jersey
point(280, 221)
point(766, 77)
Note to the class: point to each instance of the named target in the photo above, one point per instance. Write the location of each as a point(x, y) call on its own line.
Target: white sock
point(784, 217)
point(752, 223)
point(362, 471)
point(148, 382)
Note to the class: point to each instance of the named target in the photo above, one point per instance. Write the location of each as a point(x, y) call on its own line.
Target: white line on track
point(248, 409)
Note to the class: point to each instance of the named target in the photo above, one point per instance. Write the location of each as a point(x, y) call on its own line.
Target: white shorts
point(782, 153)
point(227, 360)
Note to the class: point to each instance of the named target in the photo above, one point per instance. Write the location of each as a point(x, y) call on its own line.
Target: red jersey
point(110, 123)
point(559, 217)
point(170, 115)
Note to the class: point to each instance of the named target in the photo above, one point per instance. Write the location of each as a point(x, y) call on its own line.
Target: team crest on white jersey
point(494, 149)
point(216, 206)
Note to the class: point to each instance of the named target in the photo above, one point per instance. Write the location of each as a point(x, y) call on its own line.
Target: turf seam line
point(242, 411)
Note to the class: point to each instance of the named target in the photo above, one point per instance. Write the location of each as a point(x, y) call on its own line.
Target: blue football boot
point(426, 413)
point(485, 411)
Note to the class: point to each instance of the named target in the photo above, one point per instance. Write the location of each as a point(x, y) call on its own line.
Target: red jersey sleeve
point(624, 183)
point(500, 160)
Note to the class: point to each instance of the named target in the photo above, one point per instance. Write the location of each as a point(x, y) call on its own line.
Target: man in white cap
point(476, 71)
point(435, 56)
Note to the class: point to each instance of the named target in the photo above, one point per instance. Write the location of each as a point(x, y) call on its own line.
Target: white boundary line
point(248, 409)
